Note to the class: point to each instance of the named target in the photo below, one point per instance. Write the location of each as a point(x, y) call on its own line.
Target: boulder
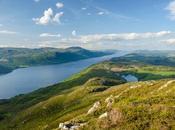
point(109, 101)
point(70, 126)
point(104, 115)
point(94, 108)
point(115, 116)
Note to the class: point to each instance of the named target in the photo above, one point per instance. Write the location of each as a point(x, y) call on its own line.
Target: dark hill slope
point(24, 57)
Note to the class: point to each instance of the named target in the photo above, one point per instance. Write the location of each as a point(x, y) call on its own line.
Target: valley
point(99, 97)
point(24, 80)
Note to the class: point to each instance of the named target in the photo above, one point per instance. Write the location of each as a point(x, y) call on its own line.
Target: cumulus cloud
point(48, 17)
point(74, 33)
point(7, 32)
point(57, 17)
point(50, 35)
point(171, 9)
point(59, 5)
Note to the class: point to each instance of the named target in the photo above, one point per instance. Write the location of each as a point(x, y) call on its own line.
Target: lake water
point(25, 80)
point(130, 78)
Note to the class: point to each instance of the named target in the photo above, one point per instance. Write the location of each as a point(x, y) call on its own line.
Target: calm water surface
point(25, 80)
point(130, 78)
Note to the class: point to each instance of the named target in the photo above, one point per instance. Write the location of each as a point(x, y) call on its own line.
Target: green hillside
point(100, 98)
point(13, 58)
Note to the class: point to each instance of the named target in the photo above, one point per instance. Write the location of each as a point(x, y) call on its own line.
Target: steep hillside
point(142, 105)
point(99, 98)
point(23, 57)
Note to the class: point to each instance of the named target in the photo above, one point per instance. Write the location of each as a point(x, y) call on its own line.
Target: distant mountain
point(23, 57)
point(151, 57)
point(100, 98)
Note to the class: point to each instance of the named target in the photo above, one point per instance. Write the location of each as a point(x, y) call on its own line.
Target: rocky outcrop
point(109, 101)
point(115, 116)
point(94, 107)
point(104, 115)
point(111, 118)
point(71, 126)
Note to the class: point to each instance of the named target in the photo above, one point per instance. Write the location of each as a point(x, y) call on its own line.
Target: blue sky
point(93, 24)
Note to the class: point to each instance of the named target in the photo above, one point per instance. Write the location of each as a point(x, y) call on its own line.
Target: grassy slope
point(143, 107)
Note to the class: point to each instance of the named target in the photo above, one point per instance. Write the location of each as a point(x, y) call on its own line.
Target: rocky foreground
point(128, 108)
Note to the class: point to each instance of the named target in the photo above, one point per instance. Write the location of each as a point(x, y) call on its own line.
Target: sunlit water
point(25, 80)
point(130, 78)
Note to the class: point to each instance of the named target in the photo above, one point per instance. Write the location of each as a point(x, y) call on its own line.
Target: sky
point(92, 24)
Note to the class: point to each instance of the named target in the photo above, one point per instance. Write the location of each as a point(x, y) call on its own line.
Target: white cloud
point(162, 33)
point(117, 37)
point(171, 9)
point(57, 17)
point(101, 13)
point(83, 8)
point(169, 41)
point(59, 5)
point(48, 17)
point(74, 33)
point(7, 32)
point(50, 35)
point(123, 41)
